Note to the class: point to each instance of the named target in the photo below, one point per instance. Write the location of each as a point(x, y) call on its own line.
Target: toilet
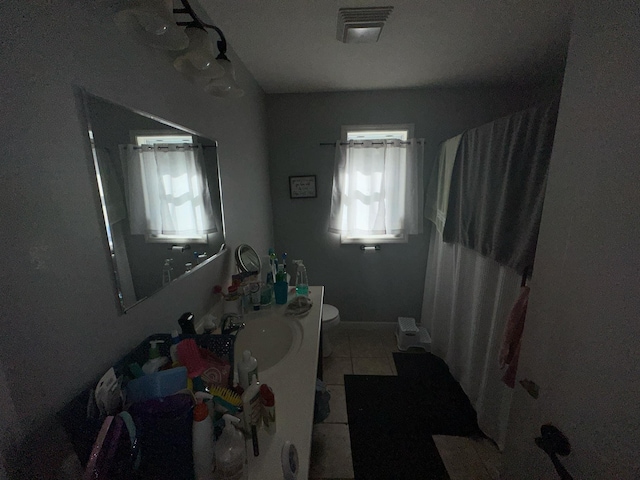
point(330, 318)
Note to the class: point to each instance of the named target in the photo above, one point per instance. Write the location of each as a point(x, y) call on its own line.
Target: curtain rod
point(402, 142)
point(167, 147)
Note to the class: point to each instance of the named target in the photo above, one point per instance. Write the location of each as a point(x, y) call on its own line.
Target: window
point(377, 185)
point(168, 193)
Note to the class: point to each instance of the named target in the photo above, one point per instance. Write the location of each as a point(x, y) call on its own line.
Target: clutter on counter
point(179, 402)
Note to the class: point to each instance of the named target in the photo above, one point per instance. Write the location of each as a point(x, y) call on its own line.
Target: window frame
point(345, 131)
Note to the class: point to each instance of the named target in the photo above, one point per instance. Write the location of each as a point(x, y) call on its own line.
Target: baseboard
point(365, 325)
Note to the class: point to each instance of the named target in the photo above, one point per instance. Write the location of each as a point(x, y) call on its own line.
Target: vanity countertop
point(293, 381)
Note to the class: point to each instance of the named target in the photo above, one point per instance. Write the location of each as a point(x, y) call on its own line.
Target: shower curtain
point(495, 196)
point(467, 298)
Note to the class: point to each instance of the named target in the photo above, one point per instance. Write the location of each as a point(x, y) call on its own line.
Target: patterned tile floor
point(367, 349)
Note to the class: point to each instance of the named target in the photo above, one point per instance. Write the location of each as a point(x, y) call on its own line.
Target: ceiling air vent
point(361, 25)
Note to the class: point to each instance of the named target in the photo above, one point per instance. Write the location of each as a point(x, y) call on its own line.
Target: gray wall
point(365, 286)
point(60, 323)
point(581, 334)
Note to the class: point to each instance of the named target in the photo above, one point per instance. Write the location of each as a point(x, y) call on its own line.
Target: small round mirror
point(247, 259)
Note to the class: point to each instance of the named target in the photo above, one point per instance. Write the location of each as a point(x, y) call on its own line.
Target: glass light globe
point(225, 86)
point(151, 22)
point(198, 63)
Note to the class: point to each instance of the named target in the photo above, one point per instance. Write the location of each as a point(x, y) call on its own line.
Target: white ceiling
point(291, 46)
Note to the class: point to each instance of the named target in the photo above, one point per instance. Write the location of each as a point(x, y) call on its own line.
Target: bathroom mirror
point(160, 197)
point(247, 259)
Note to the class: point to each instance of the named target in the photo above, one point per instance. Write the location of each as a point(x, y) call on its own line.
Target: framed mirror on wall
point(160, 194)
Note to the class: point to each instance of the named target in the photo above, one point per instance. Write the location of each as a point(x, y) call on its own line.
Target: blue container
point(281, 290)
point(157, 385)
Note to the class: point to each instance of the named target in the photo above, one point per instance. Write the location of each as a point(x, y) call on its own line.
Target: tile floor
point(367, 349)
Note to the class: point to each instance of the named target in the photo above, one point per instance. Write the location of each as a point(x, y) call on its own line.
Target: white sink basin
point(270, 339)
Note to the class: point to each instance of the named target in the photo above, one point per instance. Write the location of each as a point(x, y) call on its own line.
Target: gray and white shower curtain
point(493, 179)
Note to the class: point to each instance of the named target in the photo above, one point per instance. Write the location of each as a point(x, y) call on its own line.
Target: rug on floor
point(449, 411)
point(392, 419)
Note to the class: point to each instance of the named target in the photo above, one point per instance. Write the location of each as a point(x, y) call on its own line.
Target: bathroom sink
point(270, 339)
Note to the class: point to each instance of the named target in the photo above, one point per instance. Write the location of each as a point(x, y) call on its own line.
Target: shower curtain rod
point(403, 142)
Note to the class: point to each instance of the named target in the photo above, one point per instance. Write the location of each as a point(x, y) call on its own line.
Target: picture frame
point(302, 186)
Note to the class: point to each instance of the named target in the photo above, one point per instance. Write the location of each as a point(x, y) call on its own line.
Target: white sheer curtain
point(467, 299)
point(167, 190)
point(377, 188)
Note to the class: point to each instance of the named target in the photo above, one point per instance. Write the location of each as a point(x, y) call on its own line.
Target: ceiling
point(291, 46)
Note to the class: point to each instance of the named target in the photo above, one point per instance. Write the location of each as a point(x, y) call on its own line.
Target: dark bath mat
point(451, 412)
point(392, 419)
point(387, 431)
point(422, 365)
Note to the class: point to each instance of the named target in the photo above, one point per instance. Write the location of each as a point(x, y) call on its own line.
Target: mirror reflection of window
point(167, 189)
point(138, 259)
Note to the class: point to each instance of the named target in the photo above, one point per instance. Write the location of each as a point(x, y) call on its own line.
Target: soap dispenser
point(230, 451)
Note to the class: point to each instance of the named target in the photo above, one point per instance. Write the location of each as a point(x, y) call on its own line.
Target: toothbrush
point(284, 261)
point(273, 262)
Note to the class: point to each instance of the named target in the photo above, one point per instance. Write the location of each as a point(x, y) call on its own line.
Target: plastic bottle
point(229, 451)
point(302, 282)
point(233, 302)
point(254, 288)
point(203, 451)
point(268, 408)
point(247, 368)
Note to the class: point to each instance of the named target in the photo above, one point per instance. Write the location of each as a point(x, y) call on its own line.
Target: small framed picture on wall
point(302, 186)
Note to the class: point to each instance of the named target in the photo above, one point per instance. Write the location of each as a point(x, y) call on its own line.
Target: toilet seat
point(330, 314)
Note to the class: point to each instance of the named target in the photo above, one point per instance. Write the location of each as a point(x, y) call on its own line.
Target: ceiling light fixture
point(361, 25)
point(152, 22)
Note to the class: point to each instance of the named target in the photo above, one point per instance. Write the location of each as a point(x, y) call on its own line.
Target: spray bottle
point(202, 442)
point(229, 451)
point(302, 282)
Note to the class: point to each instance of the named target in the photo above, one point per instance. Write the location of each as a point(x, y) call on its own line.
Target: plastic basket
point(220, 345)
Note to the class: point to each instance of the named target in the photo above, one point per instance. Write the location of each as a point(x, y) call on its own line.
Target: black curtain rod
point(167, 147)
point(326, 144)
